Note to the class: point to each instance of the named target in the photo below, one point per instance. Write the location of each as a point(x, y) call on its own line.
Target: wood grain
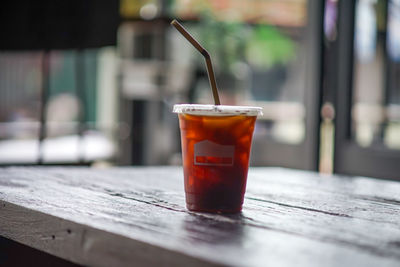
point(126, 216)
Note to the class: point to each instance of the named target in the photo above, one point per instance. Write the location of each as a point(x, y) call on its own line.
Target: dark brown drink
point(215, 153)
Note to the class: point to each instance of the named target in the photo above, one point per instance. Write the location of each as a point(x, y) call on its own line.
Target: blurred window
point(376, 103)
point(265, 53)
point(368, 104)
point(258, 48)
point(71, 114)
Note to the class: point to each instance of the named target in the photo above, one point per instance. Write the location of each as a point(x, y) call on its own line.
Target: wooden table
point(137, 216)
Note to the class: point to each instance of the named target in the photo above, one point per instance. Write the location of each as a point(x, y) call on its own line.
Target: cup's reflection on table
point(216, 143)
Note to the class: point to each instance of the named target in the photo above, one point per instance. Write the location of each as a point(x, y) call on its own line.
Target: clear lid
point(217, 110)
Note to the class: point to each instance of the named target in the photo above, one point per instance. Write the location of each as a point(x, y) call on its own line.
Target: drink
point(216, 142)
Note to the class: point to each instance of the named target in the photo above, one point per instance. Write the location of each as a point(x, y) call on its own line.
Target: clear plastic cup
point(216, 143)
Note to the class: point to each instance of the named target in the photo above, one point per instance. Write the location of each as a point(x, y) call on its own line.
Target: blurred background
point(94, 82)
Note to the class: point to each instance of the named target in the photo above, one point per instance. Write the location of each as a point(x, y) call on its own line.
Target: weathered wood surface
point(128, 216)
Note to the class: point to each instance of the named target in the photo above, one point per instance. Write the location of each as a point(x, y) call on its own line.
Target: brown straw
point(206, 55)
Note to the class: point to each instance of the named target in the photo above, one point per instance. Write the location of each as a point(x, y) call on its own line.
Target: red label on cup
point(208, 153)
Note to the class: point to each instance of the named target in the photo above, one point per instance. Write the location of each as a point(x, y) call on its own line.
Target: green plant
point(261, 46)
point(267, 47)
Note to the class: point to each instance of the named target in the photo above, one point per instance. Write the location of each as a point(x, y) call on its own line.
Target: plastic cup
point(216, 143)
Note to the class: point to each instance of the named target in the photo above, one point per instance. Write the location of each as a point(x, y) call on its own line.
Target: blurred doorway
point(368, 92)
point(266, 53)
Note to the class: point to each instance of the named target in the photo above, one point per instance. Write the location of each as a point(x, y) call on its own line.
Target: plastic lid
point(217, 110)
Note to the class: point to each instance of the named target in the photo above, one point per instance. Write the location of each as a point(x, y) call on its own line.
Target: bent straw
point(206, 55)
